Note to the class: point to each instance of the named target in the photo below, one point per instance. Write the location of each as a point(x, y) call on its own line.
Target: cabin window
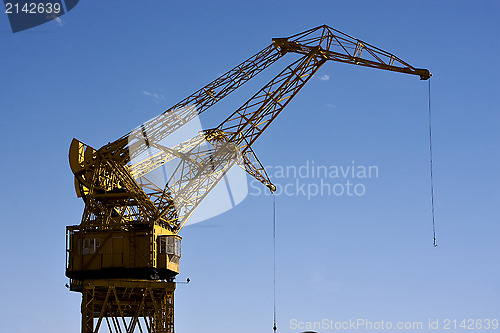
point(170, 245)
point(90, 245)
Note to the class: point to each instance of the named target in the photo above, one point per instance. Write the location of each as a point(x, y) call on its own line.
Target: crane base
point(127, 305)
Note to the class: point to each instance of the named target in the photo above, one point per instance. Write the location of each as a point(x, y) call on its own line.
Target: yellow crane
point(124, 255)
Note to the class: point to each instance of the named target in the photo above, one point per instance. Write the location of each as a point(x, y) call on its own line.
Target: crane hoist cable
point(274, 263)
point(431, 174)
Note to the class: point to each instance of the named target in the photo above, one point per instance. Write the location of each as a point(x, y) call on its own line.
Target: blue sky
point(111, 65)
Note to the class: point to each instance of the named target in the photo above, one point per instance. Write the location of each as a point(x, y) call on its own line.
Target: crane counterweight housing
point(124, 255)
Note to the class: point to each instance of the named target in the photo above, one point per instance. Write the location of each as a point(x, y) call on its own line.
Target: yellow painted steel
point(124, 255)
point(127, 306)
point(127, 249)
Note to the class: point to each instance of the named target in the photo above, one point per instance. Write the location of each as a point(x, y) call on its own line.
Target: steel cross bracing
point(114, 181)
point(341, 47)
point(128, 306)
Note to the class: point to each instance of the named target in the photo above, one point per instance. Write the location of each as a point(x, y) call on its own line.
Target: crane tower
point(124, 255)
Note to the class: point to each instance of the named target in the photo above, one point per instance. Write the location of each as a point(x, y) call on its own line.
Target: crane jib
point(128, 238)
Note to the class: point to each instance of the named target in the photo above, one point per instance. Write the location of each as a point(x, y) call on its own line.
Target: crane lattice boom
point(130, 224)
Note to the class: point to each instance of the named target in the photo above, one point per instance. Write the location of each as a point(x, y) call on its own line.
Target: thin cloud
point(319, 281)
point(324, 77)
point(331, 106)
point(154, 95)
point(59, 21)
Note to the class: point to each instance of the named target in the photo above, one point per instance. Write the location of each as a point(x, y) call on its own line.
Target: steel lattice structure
point(124, 306)
point(115, 255)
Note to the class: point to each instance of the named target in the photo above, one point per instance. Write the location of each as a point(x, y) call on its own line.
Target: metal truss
point(126, 306)
point(113, 180)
